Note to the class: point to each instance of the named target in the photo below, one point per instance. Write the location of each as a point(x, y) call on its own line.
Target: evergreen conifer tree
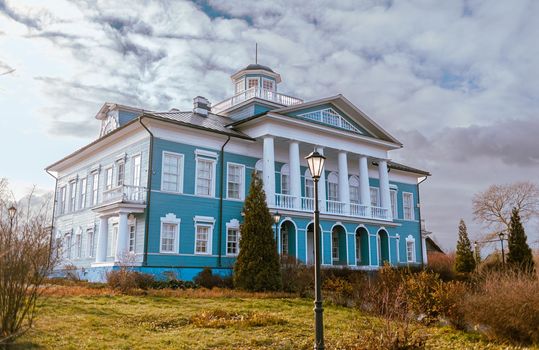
point(520, 255)
point(464, 259)
point(257, 267)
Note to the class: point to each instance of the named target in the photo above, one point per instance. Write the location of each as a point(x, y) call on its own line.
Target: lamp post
point(276, 219)
point(11, 213)
point(501, 235)
point(316, 165)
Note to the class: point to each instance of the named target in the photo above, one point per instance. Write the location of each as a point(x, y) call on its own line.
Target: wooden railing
point(125, 193)
point(263, 94)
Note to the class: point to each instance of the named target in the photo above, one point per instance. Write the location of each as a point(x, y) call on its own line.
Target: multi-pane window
point(68, 245)
point(95, 187)
point(375, 197)
point(354, 190)
point(285, 179)
point(333, 187)
point(358, 249)
point(83, 191)
point(114, 240)
point(78, 246)
point(267, 84)
point(309, 185)
point(202, 243)
point(240, 85)
point(410, 247)
point(120, 173)
point(168, 237)
point(408, 205)
point(252, 83)
point(72, 196)
point(90, 242)
point(233, 241)
point(108, 178)
point(335, 245)
point(62, 200)
point(204, 177)
point(284, 241)
point(172, 172)
point(136, 170)
point(235, 181)
point(132, 235)
point(393, 196)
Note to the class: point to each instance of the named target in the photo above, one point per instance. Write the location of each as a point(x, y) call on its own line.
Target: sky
point(456, 81)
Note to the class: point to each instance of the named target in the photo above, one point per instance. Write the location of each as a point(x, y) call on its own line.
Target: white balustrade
point(379, 213)
point(359, 210)
point(125, 193)
point(264, 94)
point(307, 203)
point(335, 207)
point(285, 201)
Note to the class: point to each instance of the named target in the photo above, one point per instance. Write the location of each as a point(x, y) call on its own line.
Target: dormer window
point(252, 83)
point(268, 85)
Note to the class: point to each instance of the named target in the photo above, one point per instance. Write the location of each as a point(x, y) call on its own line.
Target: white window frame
point(410, 195)
point(309, 187)
point(95, 188)
point(113, 239)
point(109, 170)
point(136, 174)
point(241, 184)
point(410, 240)
point(376, 198)
point(248, 79)
point(120, 176)
point(333, 181)
point(272, 84)
point(285, 172)
point(397, 242)
point(83, 192)
point(181, 166)
point(170, 219)
point(90, 242)
point(213, 172)
point(285, 241)
point(393, 193)
point(72, 205)
point(78, 244)
point(62, 197)
point(205, 221)
point(236, 83)
point(357, 239)
point(132, 224)
point(335, 252)
point(354, 179)
point(233, 224)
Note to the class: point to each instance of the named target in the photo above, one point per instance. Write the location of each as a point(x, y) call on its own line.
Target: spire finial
point(256, 53)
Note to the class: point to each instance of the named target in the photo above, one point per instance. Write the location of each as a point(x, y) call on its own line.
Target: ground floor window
point(284, 240)
point(335, 245)
point(90, 242)
point(170, 234)
point(358, 249)
point(410, 249)
point(132, 236)
point(114, 240)
point(233, 241)
point(202, 242)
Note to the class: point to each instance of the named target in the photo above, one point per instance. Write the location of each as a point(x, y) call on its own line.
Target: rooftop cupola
point(255, 77)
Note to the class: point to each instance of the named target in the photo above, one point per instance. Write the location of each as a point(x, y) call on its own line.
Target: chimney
point(201, 106)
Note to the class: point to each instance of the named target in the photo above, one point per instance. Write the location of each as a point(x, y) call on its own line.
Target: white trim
point(131, 222)
point(209, 246)
point(204, 219)
point(205, 153)
point(181, 167)
point(242, 181)
point(252, 78)
point(170, 218)
point(233, 224)
point(214, 171)
point(397, 243)
point(411, 239)
point(395, 204)
point(412, 207)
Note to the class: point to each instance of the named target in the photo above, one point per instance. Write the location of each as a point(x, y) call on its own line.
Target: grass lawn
point(75, 318)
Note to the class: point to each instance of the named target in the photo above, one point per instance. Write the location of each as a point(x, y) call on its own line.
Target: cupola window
point(268, 84)
point(252, 83)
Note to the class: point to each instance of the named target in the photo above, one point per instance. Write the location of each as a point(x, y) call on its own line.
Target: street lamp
point(315, 161)
point(276, 219)
point(501, 235)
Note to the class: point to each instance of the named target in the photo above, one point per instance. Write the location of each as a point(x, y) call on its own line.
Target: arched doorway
point(310, 244)
point(383, 247)
point(362, 247)
point(338, 245)
point(287, 239)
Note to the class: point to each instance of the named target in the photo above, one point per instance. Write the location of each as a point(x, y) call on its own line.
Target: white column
point(295, 173)
point(424, 249)
point(364, 187)
point(344, 187)
point(121, 244)
point(322, 185)
point(269, 170)
point(102, 236)
point(385, 195)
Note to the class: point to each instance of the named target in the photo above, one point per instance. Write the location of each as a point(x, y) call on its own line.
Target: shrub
point(505, 306)
point(442, 264)
point(125, 280)
point(297, 277)
point(421, 295)
point(207, 279)
point(338, 291)
point(174, 284)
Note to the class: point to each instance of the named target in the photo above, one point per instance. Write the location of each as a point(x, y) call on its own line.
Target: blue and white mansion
point(163, 191)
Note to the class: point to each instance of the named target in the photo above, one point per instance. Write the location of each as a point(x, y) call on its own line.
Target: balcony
point(264, 94)
point(306, 204)
point(125, 194)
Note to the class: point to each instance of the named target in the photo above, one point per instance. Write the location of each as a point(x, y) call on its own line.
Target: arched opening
point(259, 168)
point(287, 239)
point(362, 247)
point(338, 245)
point(310, 244)
point(383, 247)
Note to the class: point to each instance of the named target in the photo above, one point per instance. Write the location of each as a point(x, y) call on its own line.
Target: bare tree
point(493, 206)
point(25, 262)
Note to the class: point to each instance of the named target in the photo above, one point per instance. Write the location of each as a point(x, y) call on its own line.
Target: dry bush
point(25, 261)
point(442, 264)
point(297, 277)
point(207, 279)
point(338, 291)
point(505, 306)
point(126, 280)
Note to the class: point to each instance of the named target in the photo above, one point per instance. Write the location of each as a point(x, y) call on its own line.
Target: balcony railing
point(126, 194)
point(306, 204)
point(263, 94)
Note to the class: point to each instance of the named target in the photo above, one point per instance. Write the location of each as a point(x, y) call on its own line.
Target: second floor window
point(333, 187)
point(172, 172)
point(95, 187)
point(309, 185)
point(136, 170)
point(62, 200)
point(120, 173)
point(108, 178)
point(83, 191)
point(235, 181)
point(285, 179)
point(393, 196)
point(408, 205)
point(72, 196)
point(375, 197)
point(354, 190)
point(204, 178)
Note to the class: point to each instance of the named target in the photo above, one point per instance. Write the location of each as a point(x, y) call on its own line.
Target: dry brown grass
point(442, 264)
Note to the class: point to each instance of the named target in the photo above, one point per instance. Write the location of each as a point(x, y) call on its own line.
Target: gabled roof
point(342, 104)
